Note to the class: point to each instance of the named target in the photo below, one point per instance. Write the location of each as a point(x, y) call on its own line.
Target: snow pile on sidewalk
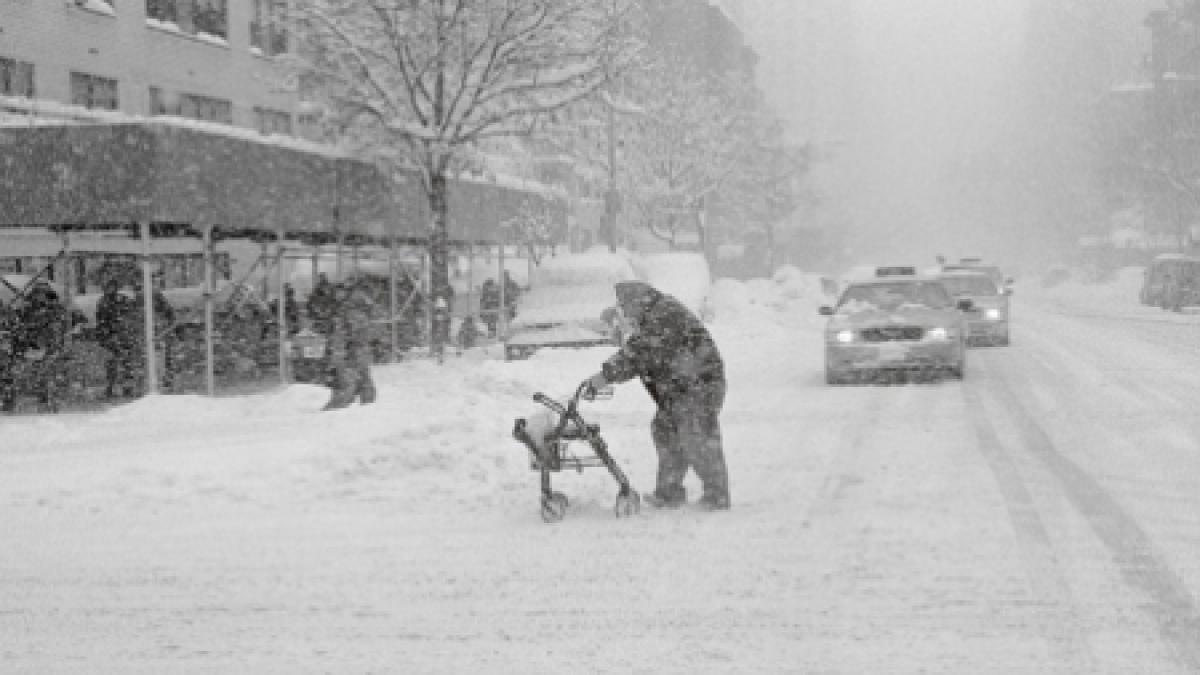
point(1121, 291)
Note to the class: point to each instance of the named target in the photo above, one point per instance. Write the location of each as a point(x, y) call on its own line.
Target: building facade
point(207, 60)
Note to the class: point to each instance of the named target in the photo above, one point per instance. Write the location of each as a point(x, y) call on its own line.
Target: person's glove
point(594, 384)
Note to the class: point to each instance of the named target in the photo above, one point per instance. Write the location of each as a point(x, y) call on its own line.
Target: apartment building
point(208, 60)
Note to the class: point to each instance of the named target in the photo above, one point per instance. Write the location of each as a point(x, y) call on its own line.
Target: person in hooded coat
point(118, 337)
point(349, 348)
point(42, 340)
point(682, 369)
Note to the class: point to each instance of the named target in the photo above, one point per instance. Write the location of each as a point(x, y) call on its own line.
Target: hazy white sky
point(905, 84)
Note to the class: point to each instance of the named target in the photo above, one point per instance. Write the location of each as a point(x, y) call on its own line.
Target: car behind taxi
point(988, 319)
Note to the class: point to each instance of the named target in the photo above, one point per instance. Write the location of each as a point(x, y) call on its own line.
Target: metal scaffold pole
point(148, 310)
point(281, 307)
point(210, 383)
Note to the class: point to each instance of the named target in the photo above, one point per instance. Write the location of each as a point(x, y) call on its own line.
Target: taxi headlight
point(992, 314)
point(938, 333)
point(844, 336)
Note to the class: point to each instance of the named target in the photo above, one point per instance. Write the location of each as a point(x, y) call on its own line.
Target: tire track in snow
point(837, 512)
point(1170, 604)
point(1047, 580)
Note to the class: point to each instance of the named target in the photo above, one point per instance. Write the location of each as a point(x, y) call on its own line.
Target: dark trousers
point(119, 370)
point(687, 434)
point(8, 388)
point(351, 380)
point(490, 317)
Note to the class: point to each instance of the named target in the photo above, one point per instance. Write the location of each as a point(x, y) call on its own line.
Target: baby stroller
point(549, 439)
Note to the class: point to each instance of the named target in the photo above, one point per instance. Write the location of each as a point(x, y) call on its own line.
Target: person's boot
point(340, 399)
point(366, 393)
point(714, 502)
point(670, 499)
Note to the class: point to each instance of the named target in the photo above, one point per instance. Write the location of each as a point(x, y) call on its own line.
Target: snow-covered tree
point(422, 83)
point(690, 138)
point(772, 183)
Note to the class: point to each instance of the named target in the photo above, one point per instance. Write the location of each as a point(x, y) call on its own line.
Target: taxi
point(896, 321)
point(987, 321)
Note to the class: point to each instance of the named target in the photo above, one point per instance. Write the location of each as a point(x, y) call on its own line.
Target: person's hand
point(594, 384)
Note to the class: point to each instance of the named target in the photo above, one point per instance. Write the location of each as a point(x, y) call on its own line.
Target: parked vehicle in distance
point(566, 303)
point(988, 318)
point(895, 322)
point(1172, 282)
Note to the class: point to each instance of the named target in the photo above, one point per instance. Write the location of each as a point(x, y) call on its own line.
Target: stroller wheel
point(628, 504)
point(554, 507)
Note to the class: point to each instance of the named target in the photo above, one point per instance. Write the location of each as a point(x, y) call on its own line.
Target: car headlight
point(844, 336)
point(938, 333)
point(992, 314)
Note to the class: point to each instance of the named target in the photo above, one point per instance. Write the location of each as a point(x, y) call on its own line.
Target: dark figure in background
point(350, 348)
point(115, 331)
point(468, 333)
point(322, 305)
point(512, 292)
point(8, 336)
point(489, 305)
point(43, 325)
point(291, 309)
point(678, 362)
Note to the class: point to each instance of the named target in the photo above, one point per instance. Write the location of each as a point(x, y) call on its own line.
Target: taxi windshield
point(892, 296)
point(973, 284)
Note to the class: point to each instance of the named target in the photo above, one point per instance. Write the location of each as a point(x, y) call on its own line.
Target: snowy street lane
point(884, 529)
point(1098, 452)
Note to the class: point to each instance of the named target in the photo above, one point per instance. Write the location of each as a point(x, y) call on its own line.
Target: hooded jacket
point(670, 349)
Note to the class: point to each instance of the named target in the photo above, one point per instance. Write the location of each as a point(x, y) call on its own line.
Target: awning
point(87, 176)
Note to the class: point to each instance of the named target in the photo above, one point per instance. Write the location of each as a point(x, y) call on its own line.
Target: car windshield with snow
point(910, 325)
point(566, 304)
point(993, 272)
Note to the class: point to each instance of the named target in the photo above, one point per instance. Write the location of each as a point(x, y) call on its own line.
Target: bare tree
point(772, 184)
point(422, 83)
point(692, 135)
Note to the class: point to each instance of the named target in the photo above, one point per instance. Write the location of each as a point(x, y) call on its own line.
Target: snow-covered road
point(1041, 517)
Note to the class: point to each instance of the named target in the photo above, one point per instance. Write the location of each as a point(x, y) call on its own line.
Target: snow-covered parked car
point(566, 302)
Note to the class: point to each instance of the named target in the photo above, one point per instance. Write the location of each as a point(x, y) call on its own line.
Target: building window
point(16, 78)
point(192, 106)
point(210, 17)
point(268, 30)
point(162, 10)
point(162, 103)
point(93, 91)
point(273, 121)
point(205, 108)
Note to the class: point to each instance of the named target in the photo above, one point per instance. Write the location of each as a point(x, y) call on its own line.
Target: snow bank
point(1123, 289)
